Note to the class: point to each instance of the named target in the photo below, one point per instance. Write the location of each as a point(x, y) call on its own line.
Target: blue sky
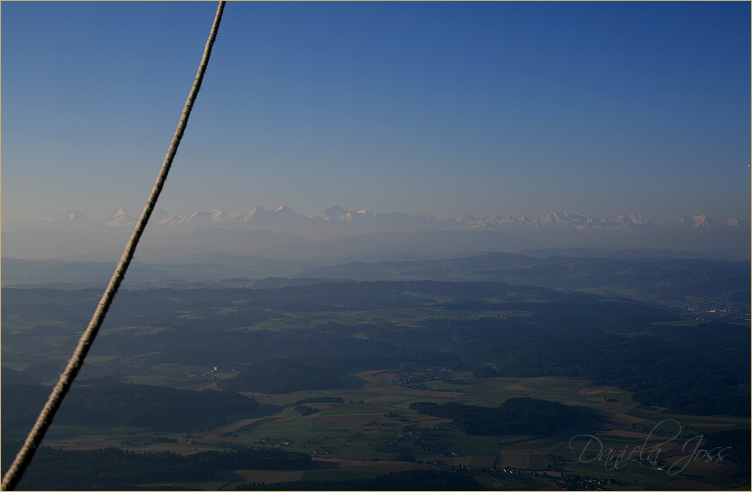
point(440, 108)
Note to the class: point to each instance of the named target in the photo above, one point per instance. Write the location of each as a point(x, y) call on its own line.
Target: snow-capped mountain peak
point(335, 212)
point(699, 222)
point(466, 218)
point(631, 219)
point(68, 216)
point(119, 218)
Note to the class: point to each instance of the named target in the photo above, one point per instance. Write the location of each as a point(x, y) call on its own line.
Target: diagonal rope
point(66, 379)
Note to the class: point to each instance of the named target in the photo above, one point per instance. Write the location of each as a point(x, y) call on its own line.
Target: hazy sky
point(439, 108)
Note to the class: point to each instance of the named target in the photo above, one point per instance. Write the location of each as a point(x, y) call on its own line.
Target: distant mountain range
point(361, 221)
point(361, 235)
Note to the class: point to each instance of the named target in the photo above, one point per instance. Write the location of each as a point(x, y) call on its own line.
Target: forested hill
point(315, 373)
point(115, 469)
point(332, 329)
point(515, 416)
point(152, 407)
point(699, 370)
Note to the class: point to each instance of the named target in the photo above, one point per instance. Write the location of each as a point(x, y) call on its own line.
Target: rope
point(66, 379)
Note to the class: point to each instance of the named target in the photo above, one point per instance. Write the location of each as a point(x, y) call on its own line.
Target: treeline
point(54, 469)
point(21, 404)
point(320, 399)
point(700, 370)
point(114, 405)
point(406, 480)
point(283, 376)
point(305, 410)
point(276, 376)
point(518, 416)
point(735, 443)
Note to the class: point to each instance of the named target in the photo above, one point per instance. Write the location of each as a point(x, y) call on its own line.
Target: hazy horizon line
point(365, 211)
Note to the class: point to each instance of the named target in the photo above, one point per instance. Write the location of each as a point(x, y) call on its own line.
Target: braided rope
point(87, 339)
